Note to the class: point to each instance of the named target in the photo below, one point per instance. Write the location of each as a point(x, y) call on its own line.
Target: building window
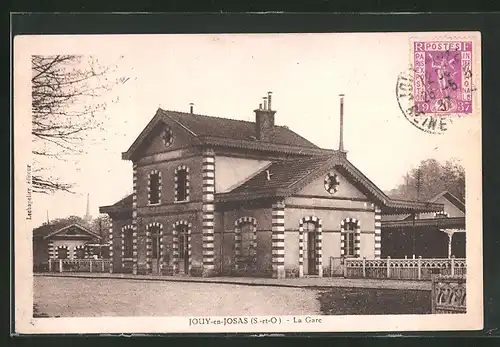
point(182, 232)
point(80, 252)
point(441, 214)
point(181, 183)
point(62, 252)
point(154, 187)
point(128, 242)
point(245, 237)
point(247, 240)
point(155, 242)
point(349, 237)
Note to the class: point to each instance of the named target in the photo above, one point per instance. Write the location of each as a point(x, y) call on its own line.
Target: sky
point(227, 76)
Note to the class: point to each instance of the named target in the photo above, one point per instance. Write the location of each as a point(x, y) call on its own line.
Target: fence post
point(50, 265)
point(90, 265)
point(433, 293)
point(60, 265)
point(419, 265)
point(364, 266)
point(388, 267)
point(345, 267)
point(453, 265)
point(102, 265)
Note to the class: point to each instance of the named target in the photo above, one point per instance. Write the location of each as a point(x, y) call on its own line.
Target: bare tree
point(66, 90)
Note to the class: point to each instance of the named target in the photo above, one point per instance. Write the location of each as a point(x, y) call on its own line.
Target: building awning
point(444, 223)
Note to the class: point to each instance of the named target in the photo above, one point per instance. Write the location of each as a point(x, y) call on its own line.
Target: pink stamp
point(442, 77)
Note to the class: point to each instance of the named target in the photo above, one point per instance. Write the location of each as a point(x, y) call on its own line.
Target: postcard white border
point(24, 323)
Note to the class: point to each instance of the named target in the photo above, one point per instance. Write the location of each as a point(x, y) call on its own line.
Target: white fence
point(404, 269)
point(79, 265)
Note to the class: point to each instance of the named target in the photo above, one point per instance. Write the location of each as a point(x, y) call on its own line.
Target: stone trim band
point(111, 245)
point(134, 219)
point(208, 176)
point(278, 239)
point(378, 232)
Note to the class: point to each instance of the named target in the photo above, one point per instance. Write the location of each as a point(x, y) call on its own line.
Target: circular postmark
point(436, 116)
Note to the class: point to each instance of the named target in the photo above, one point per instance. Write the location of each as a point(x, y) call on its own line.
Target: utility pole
point(418, 185)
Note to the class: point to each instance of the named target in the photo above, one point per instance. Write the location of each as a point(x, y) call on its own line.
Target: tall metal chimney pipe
point(269, 100)
point(265, 103)
point(341, 137)
point(191, 109)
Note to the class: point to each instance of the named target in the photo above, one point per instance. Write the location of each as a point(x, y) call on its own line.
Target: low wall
point(448, 294)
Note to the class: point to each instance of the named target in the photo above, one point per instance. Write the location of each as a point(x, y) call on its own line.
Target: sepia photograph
point(248, 182)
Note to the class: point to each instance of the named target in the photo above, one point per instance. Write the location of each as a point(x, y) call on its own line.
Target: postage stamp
point(440, 86)
point(443, 77)
point(138, 193)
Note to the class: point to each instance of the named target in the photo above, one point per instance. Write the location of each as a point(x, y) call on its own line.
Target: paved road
point(85, 297)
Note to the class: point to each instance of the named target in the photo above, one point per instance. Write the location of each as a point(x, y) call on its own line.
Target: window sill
point(127, 259)
point(181, 202)
point(155, 204)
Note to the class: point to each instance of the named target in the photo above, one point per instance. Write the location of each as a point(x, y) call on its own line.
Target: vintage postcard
point(248, 183)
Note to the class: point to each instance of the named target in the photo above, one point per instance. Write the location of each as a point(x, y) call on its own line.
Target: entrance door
point(183, 253)
point(311, 253)
point(156, 254)
point(310, 249)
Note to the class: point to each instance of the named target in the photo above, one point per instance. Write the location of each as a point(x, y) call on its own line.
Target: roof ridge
point(306, 158)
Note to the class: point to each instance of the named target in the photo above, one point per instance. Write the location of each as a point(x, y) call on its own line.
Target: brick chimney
point(264, 120)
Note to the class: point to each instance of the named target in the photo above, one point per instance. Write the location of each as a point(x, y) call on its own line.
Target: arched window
point(155, 242)
point(181, 243)
point(350, 238)
point(62, 252)
point(441, 214)
point(247, 239)
point(181, 183)
point(154, 187)
point(80, 252)
point(128, 241)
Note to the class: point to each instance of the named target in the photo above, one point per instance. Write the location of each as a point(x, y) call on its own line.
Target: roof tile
point(283, 174)
point(202, 125)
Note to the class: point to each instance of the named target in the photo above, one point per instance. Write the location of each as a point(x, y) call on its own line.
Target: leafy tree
point(100, 225)
point(431, 178)
point(66, 90)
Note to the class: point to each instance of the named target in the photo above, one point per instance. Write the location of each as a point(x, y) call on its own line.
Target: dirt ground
point(77, 297)
point(98, 297)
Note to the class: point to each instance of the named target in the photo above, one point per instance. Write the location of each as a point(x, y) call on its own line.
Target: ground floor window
point(128, 238)
point(62, 253)
point(183, 259)
point(350, 229)
point(247, 240)
point(155, 242)
point(79, 252)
